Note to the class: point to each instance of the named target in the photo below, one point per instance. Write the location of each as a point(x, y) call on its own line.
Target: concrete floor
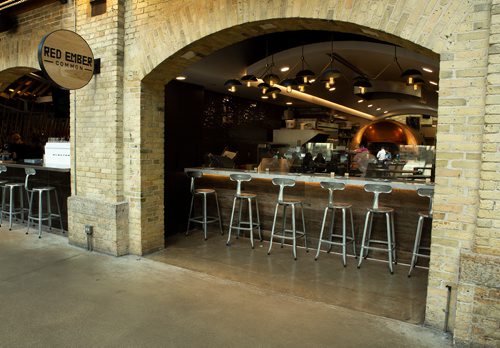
point(56, 295)
point(371, 288)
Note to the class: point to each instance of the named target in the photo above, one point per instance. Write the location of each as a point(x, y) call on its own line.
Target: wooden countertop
point(316, 177)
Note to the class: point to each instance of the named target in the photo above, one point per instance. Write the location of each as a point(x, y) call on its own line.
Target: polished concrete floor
point(55, 295)
point(371, 288)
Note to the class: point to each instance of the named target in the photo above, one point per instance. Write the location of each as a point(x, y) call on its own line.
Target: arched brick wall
point(457, 31)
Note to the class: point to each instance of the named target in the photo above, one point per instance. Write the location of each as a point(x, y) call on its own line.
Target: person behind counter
point(20, 151)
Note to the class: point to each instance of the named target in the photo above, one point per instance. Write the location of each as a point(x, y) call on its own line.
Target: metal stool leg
point(272, 229)
point(231, 222)
point(393, 239)
point(361, 256)
point(258, 218)
point(416, 245)
point(250, 221)
point(352, 234)
point(11, 201)
point(30, 212)
point(389, 240)
point(40, 214)
point(321, 232)
point(294, 240)
point(344, 231)
point(240, 206)
point(190, 213)
point(332, 225)
point(304, 227)
point(3, 204)
point(218, 213)
point(284, 226)
point(205, 216)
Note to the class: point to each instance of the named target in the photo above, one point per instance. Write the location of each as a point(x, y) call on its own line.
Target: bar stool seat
point(422, 215)
point(390, 242)
point(203, 219)
point(333, 206)
point(44, 212)
point(244, 196)
point(288, 234)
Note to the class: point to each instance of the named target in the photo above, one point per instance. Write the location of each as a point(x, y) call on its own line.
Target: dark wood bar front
point(45, 176)
point(403, 199)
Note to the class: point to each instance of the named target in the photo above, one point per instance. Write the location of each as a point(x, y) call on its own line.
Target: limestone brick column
point(97, 137)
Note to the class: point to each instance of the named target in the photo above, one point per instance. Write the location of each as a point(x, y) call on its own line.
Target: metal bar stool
point(333, 206)
point(41, 216)
point(429, 193)
point(244, 196)
point(202, 192)
point(10, 208)
point(282, 183)
point(389, 216)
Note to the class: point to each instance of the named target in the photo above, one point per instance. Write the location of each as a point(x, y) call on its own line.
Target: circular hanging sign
point(66, 58)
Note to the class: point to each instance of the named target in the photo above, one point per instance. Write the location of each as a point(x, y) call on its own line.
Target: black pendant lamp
point(411, 74)
point(248, 79)
point(361, 84)
point(232, 85)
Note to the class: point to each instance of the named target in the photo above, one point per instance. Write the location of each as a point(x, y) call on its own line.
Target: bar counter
point(45, 176)
point(403, 199)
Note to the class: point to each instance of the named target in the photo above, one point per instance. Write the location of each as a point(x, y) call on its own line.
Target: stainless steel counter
point(317, 177)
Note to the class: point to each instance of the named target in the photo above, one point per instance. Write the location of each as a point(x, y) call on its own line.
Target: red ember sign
point(66, 58)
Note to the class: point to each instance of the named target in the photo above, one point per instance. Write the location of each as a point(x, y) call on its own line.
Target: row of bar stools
point(43, 213)
point(427, 214)
point(203, 219)
point(9, 208)
point(389, 215)
point(239, 197)
point(282, 183)
point(333, 207)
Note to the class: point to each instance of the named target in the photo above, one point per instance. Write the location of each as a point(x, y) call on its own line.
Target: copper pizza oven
point(385, 132)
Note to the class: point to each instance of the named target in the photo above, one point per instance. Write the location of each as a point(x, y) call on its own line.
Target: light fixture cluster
point(268, 80)
point(412, 77)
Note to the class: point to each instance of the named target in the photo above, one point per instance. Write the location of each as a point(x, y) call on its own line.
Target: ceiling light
point(289, 84)
point(417, 83)
point(180, 78)
point(378, 109)
point(361, 84)
point(264, 87)
point(331, 89)
point(385, 111)
point(329, 77)
point(361, 100)
point(289, 103)
point(273, 92)
point(232, 85)
point(285, 68)
point(304, 75)
point(370, 105)
point(427, 69)
point(433, 83)
point(264, 97)
point(271, 79)
point(248, 79)
point(410, 74)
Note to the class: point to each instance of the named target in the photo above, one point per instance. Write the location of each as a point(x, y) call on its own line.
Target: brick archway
point(403, 27)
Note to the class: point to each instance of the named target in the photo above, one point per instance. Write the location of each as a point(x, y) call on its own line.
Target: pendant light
point(304, 76)
point(330, 74)
point(411, 74)
point(273, 92)
point(232, 85)
point(289, 84)
point(248, 79)
point(361, 84)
